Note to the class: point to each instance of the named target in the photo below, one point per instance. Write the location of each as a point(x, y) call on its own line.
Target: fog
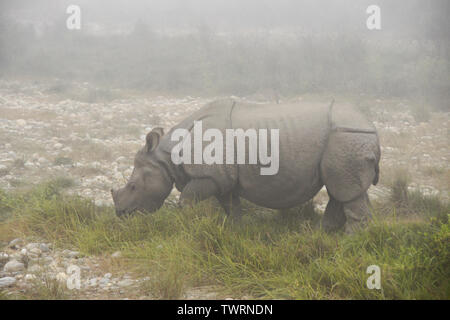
point(233, 47)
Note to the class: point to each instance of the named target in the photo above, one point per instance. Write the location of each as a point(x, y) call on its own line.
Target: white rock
point(35, 268)
point(29, 164)
point(92, 282)
point(7, 282)
point(42, 160)
point(34, 253)
point(125, 283)
point(121, 159)
point(17, 256)
point(116, 254)
point(15, 243)
point(32, 245)
point(14, 266)
point(4, 257)
point(29, 277)
point(47, 260)
point(100, 202)
point(61, 277)
point(117, 175)
point(21, 122)
point(44, 247)
point(70, 254)
point(103, 281)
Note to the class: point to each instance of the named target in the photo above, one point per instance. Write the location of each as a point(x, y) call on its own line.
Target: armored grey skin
point(319, 145)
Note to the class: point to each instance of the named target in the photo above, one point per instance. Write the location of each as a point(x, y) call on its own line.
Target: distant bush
point(399, 187)
point(207, 63)
point(415, 202)
point(421, 113)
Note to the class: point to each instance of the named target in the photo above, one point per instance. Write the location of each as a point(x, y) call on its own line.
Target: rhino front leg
point(357, 213)
point(231, 203)
point(198, 190)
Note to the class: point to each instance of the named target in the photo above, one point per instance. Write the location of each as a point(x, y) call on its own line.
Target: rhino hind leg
point(351, 215)
point(357, 213)
point(334, 217)
point(348, 167)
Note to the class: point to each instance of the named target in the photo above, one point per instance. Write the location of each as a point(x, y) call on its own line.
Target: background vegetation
point(300, 48)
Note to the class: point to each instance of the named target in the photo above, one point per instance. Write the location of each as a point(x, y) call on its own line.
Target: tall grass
point(266, 255)
point(414, 203)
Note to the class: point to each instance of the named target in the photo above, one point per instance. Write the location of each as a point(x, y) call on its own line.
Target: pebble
point(35, 268)
point(103, 281)
point(116, 254)
point(61, 277)
point(7, 282)
point(35, 252)
point(44, 247)
point(125, 283)
point(14, 266)
point(32, 245)
point(70, 254)
point(4, 257)
point(92, 282)
point(16, 243)
point(21, 122)
point(29, 277)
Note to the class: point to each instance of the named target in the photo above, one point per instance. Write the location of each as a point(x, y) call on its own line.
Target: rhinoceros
point(331, 145)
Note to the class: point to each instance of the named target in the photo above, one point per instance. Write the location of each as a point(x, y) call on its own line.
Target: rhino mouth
point(123, 212)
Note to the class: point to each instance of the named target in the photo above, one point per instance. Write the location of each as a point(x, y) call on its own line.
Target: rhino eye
point(132, 187)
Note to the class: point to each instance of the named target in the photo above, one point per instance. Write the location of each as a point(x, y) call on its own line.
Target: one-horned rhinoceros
point(318, 144)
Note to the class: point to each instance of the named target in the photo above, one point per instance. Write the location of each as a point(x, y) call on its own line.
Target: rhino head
point(149, 184)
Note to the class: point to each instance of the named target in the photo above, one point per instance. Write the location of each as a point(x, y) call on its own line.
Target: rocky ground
point(29, 267)
point(44, 134)
point(36, 269)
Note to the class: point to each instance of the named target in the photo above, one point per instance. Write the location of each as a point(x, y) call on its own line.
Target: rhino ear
point(152, 138)
point(159, 130)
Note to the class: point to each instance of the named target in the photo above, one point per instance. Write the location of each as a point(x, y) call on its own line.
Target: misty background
point(212, 47)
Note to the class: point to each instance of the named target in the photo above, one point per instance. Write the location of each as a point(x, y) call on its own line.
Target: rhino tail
point(377, 174)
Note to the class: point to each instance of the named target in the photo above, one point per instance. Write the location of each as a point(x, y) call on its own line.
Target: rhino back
point(303, 130)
